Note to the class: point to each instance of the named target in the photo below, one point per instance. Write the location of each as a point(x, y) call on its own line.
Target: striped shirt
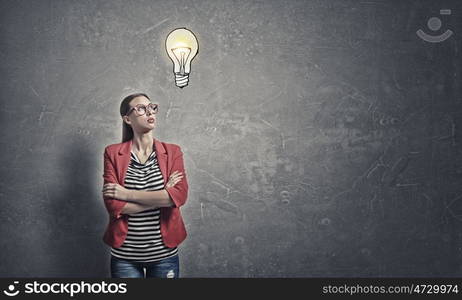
point(144, 241)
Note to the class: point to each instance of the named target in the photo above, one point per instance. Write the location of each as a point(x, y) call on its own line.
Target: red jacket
point(170, 159)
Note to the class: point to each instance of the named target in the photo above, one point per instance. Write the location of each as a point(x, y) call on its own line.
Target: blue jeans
point(165, 268)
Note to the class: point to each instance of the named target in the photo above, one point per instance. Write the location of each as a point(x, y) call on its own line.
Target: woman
point(145, 224)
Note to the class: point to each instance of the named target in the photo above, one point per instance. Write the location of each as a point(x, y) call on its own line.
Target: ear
point(126, 120)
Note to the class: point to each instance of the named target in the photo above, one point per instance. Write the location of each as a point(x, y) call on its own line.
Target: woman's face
point(143, 123)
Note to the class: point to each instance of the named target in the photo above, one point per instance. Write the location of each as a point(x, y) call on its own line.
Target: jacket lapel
point(161, 159)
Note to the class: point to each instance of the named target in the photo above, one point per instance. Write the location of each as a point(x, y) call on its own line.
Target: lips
point(151, 120)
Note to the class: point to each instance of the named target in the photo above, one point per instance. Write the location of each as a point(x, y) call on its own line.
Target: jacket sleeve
point(113, 206)
point(179, 192)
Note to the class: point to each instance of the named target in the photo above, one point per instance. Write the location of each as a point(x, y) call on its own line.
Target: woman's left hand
point(116, 191)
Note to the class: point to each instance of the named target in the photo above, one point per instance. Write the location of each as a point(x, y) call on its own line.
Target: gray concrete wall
point(321, 138)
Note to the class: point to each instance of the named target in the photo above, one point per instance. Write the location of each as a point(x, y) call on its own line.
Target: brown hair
point(127, 131)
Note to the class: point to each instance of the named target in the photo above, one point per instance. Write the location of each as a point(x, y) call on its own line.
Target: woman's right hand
point(174, 178)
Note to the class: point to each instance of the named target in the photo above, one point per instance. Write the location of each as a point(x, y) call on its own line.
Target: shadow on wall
point(76, 245)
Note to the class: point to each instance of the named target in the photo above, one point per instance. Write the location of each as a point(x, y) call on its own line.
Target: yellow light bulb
point(181, 46)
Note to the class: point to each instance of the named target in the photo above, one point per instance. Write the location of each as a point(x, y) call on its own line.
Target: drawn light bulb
point(181, 45)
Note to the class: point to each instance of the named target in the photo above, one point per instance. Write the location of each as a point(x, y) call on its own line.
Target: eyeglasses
point(140, 109)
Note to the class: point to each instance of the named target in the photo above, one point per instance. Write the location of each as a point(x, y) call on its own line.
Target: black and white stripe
point(144, 241)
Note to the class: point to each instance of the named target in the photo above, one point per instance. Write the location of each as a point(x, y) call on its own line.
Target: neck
point(143, 143)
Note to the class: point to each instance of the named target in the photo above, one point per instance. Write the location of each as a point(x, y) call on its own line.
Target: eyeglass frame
point(145, 109)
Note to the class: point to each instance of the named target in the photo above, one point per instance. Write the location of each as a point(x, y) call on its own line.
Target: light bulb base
point(181, 80)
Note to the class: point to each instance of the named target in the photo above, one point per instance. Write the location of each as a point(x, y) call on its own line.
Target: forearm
point(132, 207)
point(158, 198)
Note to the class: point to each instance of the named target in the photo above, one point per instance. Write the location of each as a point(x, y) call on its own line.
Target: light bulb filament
point(181, 55)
